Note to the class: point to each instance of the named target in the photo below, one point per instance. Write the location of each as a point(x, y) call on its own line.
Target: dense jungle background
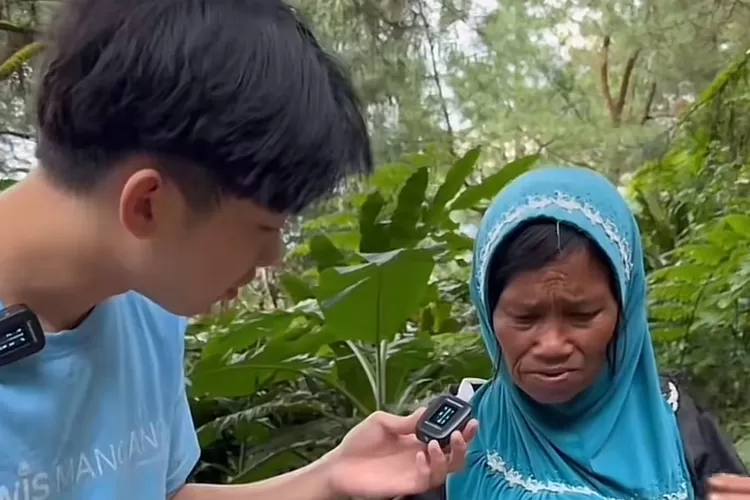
point(371, 309)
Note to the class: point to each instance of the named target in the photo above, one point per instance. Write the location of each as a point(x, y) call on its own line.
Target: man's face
point(187, 261)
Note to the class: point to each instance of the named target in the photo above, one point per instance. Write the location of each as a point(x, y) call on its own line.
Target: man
point(175, 137)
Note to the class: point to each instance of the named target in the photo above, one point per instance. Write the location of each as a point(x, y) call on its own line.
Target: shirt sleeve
point(184, 450)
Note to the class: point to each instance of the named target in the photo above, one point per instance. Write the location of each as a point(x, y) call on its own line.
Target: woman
point(576, 408)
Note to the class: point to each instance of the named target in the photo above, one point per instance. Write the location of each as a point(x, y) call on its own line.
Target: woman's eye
point(525, 319)
point(584, 315)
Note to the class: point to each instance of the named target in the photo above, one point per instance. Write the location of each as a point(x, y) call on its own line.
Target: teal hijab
point(617, 440)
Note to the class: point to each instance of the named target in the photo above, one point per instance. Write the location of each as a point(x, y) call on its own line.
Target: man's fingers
point(470, 431)
point(728, 496)
point(424, 472)
point(397, 424)
point(458, 452)
point(438, 464)
point(726, 483)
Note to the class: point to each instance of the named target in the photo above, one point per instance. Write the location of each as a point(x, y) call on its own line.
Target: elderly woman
point(576, 408)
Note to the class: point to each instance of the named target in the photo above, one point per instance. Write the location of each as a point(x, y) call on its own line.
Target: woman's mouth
point(555, 376)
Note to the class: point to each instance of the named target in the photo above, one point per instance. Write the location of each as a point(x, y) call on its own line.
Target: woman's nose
point(552, 345)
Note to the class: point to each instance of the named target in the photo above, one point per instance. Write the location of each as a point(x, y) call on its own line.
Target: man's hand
point(382, 458)
point(379, 458)
point(727, 487)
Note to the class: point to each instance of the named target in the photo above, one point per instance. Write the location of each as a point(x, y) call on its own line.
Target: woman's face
point(554, 325)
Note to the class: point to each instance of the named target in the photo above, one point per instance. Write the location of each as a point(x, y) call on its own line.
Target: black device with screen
point(444, 415)
point(21, 334)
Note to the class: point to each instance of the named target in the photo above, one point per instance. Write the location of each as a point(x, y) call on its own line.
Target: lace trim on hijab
point(673, 397)
point(565, 202)
point(514, 478)
point(469, 386)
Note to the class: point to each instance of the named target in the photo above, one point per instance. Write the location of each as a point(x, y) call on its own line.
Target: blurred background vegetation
point(371, 309)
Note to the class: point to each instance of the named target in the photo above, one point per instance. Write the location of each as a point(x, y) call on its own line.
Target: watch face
point(21, 335)
point(443, 414)
point(13, 339)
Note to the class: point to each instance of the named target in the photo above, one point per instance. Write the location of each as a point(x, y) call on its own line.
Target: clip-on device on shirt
point(445, 415)
point(21, 334)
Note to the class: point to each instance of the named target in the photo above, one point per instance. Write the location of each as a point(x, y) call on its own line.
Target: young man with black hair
point(175, 137)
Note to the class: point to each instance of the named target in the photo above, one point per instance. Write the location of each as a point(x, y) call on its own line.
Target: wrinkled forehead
point(579, 197)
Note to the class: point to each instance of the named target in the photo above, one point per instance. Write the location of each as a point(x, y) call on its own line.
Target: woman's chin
point(551, 389)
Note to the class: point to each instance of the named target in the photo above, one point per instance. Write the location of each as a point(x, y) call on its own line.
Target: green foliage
point(380, 324)
point(382, 319)
point(693, 208)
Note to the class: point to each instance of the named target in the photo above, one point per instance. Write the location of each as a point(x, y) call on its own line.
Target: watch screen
point(443, 415)
point(12, 340)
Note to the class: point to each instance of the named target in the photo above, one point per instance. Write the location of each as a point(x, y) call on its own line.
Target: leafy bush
point(693, 208)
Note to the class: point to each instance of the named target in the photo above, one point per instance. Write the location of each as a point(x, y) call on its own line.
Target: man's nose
point(273, 254)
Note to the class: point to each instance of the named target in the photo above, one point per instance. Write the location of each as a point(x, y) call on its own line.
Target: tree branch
point(625, 84)
point(15, 28)
point(19, 135)
point(649, 102)
point(436, 77)
point(604, 77)
point(19, 58)
point(615, 107)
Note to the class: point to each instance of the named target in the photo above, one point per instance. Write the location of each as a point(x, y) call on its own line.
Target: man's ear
point(142, 195)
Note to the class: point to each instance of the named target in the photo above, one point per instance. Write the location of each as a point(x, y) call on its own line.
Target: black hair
point(231, 97)
point(535, 245)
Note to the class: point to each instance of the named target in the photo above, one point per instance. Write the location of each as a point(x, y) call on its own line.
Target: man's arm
point(309, 483)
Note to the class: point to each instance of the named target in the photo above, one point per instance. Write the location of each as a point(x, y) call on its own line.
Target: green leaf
point(454, 181)
point(374, 235)
point(296, 288)
point(683, 272)
point(325, 253)
point(270, 464)
point(409, 208)
point(492, 185)
point(275, 405)
point(275, 453)
point(355, 372)
point(6, 183)
point(405, 357)
point(371, 209)
point(244, 334)
point(740, 223)
point(743, 449)
point(371, 302)
point(243, 379)
point(305, 339)
point(456, 241)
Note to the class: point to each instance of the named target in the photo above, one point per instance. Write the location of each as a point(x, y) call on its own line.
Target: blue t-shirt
point(101, 412)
